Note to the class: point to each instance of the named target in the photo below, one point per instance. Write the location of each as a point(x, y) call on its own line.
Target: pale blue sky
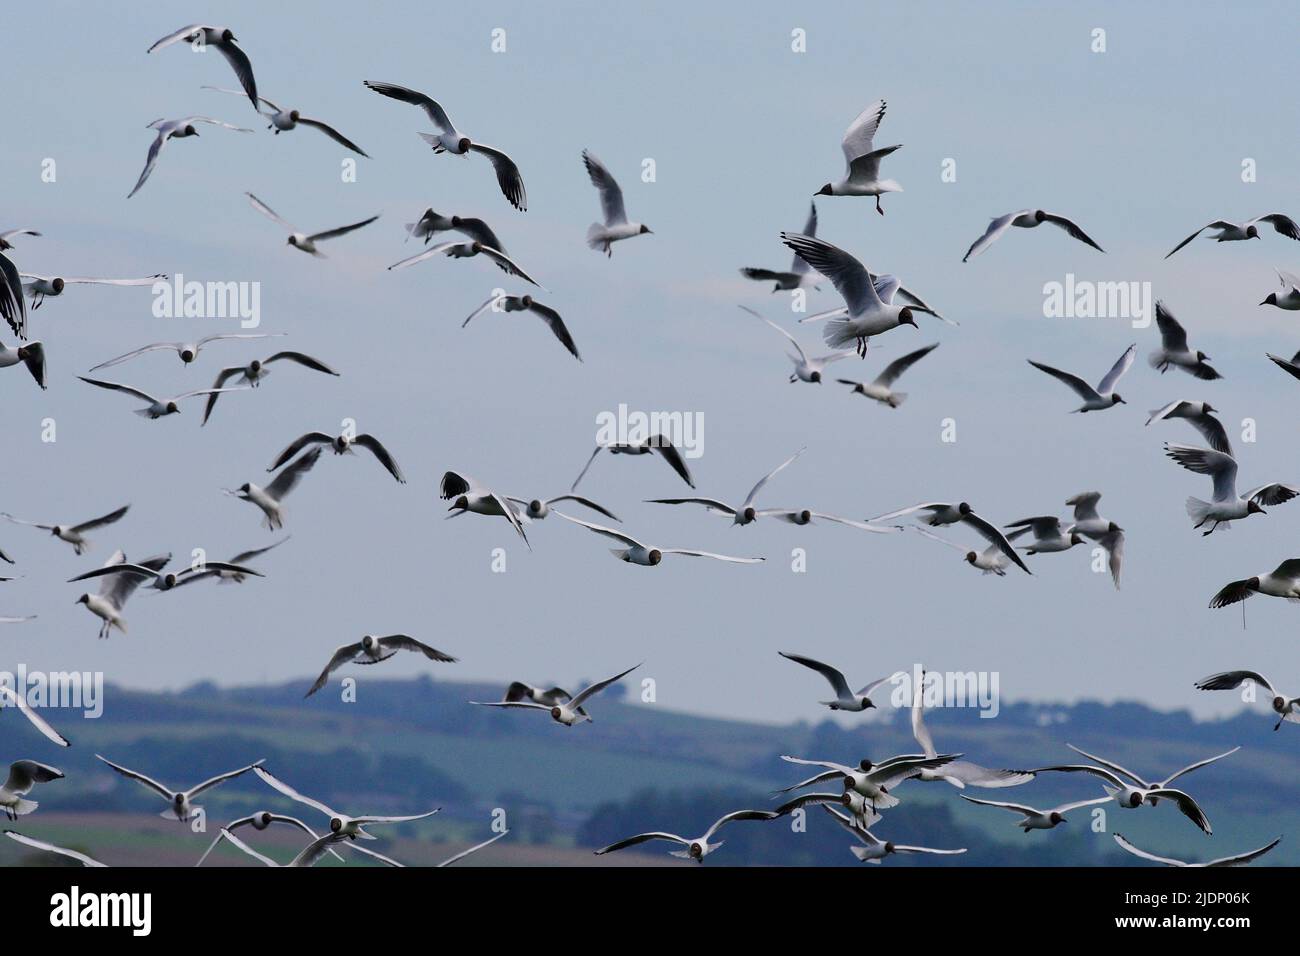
point(1140, 145)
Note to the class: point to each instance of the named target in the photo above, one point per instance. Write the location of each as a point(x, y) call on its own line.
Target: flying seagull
point(1283, 581)
point(1285, 707)
point(271, 498)
point(256, 370)
point(342, 444)
point(1241, 859)
point(157, 407)
point(299, 239)
point(805, 369)
point(107, 605)
point(75, 534)
point(1290, 297)
point(451, 140)
point(1200, 415)
point(224, 575)
point(862, 159)
point(881, 388)
point(845, 699)
point(1235, 232)
point(989, 561)
point(186, 351)
point(181, 801)
point(341, 825)
point(468, 250)
point(743, 514)
point(1174, 351)
point(467, 494)
point(1032, 819)
point(42, 287)
point(694, 849)
point(874, 781)
point(538, 508)
point(1227, 504)
point(1025, 219)
point(51, 848)
point(260, 821)
point(602, 236)
point(938, 514)
point(875, 850)
point(799, 276)
point(526, 303)
point(431, 223)
point(200, 36)
point(1104, 395)
point(161, 580)
point(566, 712)
point(372, 650)
point(959, 773)
point(282, 121)
point(645, 555)
point(167, 130)
point(656, 443)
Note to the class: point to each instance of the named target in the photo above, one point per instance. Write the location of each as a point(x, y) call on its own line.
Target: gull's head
point(1112, 527)
point(172, 408)
point(1117, 399)
point(293, 115)
point(227, 36)
point(262, 820)
point(1270, 300)
point(464, 144)
point(535, 507)
point(889, 846)
point(1253, 508)
point(368, 641)
point(906, 317)
point(655, 556)
point(696, 850)
point(292, 240)
point(168, 580)
point(816, 377)
point(527, 301)
point(644, 230)
point(178, 800)
point(749, 514)
point(58, 284)
point(475, 247)
point(825, 190)
point(1202, 357)
point(187, 355)
point(1252, 232)
point(971, 556)
point(1207, 408)
point(1075, 538)
point(803, 517)
point(245, 489)
point(1253, 583)
point(460, 504)
point(1134, 800)
point(556, 713)
point(455, 220)
point(336, 825)
point(865, 765)
point(255, 366)
point(84, 599)
point(1279, 704)
point(1055, 818)
point(1039, 215)
point(56, 530)
point(963, 509)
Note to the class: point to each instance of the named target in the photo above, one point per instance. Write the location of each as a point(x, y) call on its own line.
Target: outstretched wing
point(611, 196)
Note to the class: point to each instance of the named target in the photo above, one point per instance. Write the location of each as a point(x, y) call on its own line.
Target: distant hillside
point(410, 745)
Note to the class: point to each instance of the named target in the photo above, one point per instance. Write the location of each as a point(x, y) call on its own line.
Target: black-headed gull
point(8, 234)
point(41, 287)
point(526, 303)
point(202, 36)
point(646, 555)
point(862, 159)
point(467, 494)
point(260, 821)
point(341, 825)
point(870, 311)
point(226, 576)
point(1049, 534)
point(875, 850)
point(1289, 299)
point(371, 650)
point(695, 849)
point(283, 120)
point(546, 696)
point(181, 801)
point(1240, 859)
point(451, 140)
point(256, 370)
point(845, 698)
point(468, 250)
point(13, 307)
point(10, 697)
point(166, 130)
point(73, 534)
point(1283, 581)
point(881, 387)
point(989, 561)
point(538, 508)
point(271, 498)
point(160, 580)
point(1174, 350)
point(806, 516)
point(157, 407)
point(799, 276)
point(108, 603)
point(1285, 707)
point(805, 369)
point(311, 854)
point(1227, 505)
point(186, 351)
point(1033, 819)
point(1024, 219)
point(851, 800)
point(1235, 232)
point(431, 223)
point(341, 444)
point(1291, 366)
point(959, 773)
point(301, 240)
point(1131, 791)
point(36, 844)
point(1087, 521)
point(601, 236)
point(1200, 415)
point(937, 514)
point(473, 849)
point(743, 514)
point(887, 287)
point(875, 781)
point(566, 712)
point(656, 443)
point(31, 355)
point(1104, 395)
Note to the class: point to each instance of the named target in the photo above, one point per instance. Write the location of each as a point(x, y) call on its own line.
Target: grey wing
point(1076, 384)
point(333, 134)
point(800, 266)
point(155, 347)
point(1198, 765)
point(1221, 468)
point(861, 133)
point(1189, 807)
point(673, 457)
point(340, 657)
point(611, 196)
point(1014, 807)
point(288, 479)
point(588, 692)
point(341, 230)
point(434, 111)
point(479, 230)
point(225, 375)
point(642, 838)
point(13, 307)
point(1212, 431)
point(245, 556)
point(1113, 542)
point(439, 250)
point(846, 273)
point(302, 359)
point(1273, 493)
point(996, 228)
point(275, 782)
point(51, 848)
point(1231, 680)
point(297, 445)
point(737, 815)
point(1242, 858)
point(23, 774)
point(1172, 335)
point(900, 365)
point(753, 492)
point(713, 504)
point(372, 443)
point(1072, 229)
point(1101, 772)
point(405, 642)
point(995, 537)
point(149, 782)
point(1219, 224)
point(833, 675)
point(1110, 765)
point(509, 179)
point(509, 265)
point(1283, 224)
point(474, 849)
point(975, 775)
point(607, 532)
point(270, 213)
point(1122, 365)
point(1084, 505)
point(181, 34)
point(101, 521)
point(151, 160)
point(10, 696)
point(238, 61)
point(221, 778)
point(586, 503)
point(386, 860)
